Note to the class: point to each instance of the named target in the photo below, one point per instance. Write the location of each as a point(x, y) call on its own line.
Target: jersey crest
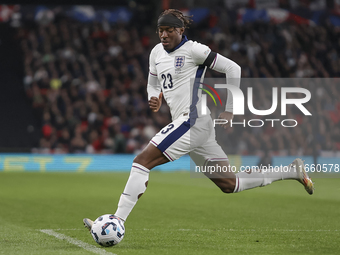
point(179, 61)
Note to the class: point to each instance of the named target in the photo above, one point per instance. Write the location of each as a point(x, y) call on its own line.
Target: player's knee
point(227, 186)
point(142, 160)
point(227, 190)
point(139, 160)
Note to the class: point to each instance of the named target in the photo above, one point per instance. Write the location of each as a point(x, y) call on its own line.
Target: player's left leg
point(229, 182)
point(225, 177)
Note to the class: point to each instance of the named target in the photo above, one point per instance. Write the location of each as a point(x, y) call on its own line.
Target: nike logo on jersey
point(158, 63)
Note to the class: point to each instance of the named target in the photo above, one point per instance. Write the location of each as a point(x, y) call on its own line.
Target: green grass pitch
point(177, 215)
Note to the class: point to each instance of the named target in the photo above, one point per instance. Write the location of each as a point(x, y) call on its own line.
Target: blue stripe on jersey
point(185, 126)
point(193, 109)
point(174, 136)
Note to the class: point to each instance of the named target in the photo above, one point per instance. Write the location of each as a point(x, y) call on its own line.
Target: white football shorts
point(199, 140)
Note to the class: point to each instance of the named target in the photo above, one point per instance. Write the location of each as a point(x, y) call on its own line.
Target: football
point(108, 230)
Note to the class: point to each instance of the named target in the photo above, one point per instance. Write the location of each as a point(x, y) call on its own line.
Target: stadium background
point(73, 94)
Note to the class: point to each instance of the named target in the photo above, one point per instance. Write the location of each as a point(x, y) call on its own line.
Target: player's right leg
point(136, 185)
point(138, 180)
point(169, 144)
point(88, 223)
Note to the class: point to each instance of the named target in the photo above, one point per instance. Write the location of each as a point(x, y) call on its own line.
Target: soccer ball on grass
point(108, 230)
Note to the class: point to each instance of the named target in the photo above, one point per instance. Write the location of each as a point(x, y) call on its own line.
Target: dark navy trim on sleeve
point(208, 61)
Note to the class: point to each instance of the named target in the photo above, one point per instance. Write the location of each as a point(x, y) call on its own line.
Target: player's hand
point(227, 116)
point(155, 103)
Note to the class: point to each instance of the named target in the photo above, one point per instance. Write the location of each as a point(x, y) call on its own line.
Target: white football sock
point(134, 189)
point(263, 177)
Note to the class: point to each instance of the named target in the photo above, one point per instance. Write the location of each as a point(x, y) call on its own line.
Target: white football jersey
point(176, 72)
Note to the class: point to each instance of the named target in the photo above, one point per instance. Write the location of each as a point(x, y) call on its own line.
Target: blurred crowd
point(87, 84)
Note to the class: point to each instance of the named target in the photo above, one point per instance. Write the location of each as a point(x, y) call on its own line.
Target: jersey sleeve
point(199, 53)
point(233, 74)
point(152, 63)
point(153, 87)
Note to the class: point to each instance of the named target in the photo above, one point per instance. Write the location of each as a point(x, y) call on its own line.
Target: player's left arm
point(204, 56)
point(233, 74)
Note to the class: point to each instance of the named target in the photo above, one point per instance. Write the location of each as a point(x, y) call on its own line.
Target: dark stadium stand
point(18, 127)
point(87, 81)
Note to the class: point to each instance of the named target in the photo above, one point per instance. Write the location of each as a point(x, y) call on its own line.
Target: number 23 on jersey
point(167, 81)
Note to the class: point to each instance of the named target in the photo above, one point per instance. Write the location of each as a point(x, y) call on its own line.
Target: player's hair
point(177, 13)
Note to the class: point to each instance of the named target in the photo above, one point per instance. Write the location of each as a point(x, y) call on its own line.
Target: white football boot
point(303, 177)
point(88, 223)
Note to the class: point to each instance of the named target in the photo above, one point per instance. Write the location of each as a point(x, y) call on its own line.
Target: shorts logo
point(179, 61)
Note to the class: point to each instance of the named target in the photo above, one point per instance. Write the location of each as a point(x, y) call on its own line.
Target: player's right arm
point(155, 103)
point(154, 87)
